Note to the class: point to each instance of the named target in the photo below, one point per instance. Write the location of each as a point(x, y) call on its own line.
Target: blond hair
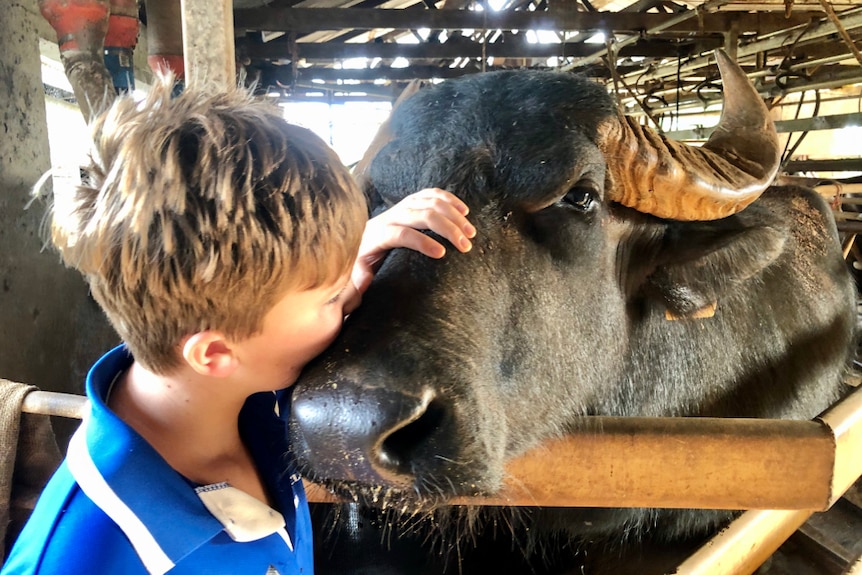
point(198, 212)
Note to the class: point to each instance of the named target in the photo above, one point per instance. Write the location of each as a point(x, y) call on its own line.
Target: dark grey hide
point(451, 367)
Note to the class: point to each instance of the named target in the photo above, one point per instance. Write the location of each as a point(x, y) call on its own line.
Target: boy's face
point(298, 328)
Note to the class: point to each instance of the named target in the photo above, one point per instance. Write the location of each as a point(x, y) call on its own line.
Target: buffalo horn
point(669, 179)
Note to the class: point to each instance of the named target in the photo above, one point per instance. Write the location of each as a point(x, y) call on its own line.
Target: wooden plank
point(281, 49)
point(313, 19)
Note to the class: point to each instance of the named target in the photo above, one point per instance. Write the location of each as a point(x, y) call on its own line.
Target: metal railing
point(798, 467)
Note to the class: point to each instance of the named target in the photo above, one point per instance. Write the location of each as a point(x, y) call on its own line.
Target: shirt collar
point(158, 509)
point(245, 518)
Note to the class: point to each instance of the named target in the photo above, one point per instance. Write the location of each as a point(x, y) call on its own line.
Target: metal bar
point(855, 569)
point(850, 19)
point(57, 404)
point(823, 80)
point(827, 7)
point(706, 462)
point(834, 122)
point(468, 49)
point(847, 226)
point(844, 419)
point(208, 44)
point(833, 165)
point(700, 11)
point(747, 542)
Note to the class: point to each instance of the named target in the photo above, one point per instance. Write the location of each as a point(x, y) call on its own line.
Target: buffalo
point(614, 272)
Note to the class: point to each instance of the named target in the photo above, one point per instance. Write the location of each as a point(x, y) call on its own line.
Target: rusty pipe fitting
point(81, 26)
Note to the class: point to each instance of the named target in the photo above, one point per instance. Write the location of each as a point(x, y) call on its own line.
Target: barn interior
point(654, 56)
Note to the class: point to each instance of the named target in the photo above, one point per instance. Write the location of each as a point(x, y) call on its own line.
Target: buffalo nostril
point(412, 438)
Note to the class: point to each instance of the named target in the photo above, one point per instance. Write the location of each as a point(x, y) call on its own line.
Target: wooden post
point(208, 43)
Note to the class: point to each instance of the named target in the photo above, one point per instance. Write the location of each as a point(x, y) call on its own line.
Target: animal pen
point(780, 472)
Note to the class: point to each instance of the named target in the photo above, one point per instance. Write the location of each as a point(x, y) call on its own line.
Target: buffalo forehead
point(512, 133)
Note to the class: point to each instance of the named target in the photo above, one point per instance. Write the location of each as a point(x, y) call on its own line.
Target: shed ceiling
point(655, 49)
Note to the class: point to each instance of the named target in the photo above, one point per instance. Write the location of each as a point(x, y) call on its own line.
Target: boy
point(222, 244)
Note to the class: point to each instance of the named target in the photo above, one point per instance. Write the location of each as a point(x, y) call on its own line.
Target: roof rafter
point(312, 19)
point(279, 49)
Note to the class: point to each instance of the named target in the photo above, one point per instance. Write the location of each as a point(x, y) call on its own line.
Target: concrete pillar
point(50, 329)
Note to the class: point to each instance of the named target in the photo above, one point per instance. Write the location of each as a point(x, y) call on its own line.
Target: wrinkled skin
point(452, 367)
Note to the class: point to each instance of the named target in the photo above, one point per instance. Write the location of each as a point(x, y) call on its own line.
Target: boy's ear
point(209, 353)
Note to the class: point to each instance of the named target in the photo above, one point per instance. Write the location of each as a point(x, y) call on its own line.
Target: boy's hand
point(398, 227)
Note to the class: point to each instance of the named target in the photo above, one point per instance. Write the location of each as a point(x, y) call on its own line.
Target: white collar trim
point(245, 518)
point(95, 487)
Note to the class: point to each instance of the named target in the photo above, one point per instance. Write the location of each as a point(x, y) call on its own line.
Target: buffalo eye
point(582, 196)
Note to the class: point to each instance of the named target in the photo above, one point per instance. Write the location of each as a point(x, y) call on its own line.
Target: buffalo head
point(599, 245)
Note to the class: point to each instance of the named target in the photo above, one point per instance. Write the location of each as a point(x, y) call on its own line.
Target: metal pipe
point(844, 419)
point(817, 123)
point(81, 28)
point(842, 31)
point(708, 462)
point(56, 404)
point(761, 73)
point(165, 37)
point(816, 62)
point(855, 569)
point(696, 107)
point(745, 544)
point(703, 8)
point(821, 82)
point(748, 541)
point(850, 19)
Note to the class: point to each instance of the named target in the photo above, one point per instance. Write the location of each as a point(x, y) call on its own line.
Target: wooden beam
point(280, 49)
point(314, 19)
point(208, 43)
point(331, 76)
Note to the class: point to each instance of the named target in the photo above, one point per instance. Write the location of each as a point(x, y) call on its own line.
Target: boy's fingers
point(451, 230)
point(417, 241)
point(449, 198)
point(440, 217)
point(435, 199)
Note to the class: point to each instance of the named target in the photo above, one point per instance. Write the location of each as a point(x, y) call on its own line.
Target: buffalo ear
point(703, 262)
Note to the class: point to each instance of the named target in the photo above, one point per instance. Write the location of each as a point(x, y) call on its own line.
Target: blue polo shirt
point(115, 507)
